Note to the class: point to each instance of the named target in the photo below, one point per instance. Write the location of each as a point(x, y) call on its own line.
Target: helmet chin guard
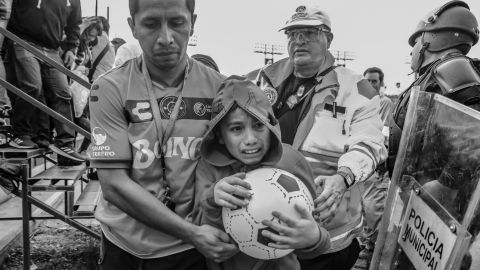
point(419, 57)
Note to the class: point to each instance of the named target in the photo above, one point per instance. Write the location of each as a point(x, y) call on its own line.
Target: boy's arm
point(206, 211)
point(323, 244)
point(319, 248)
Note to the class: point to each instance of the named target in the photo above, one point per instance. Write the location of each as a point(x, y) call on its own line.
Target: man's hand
point(327, 203)
point(232, 191)
point(213, 243)
point(293, 233)
point(68, 59)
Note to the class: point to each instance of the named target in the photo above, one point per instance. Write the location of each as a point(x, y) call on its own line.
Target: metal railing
point(34, 102)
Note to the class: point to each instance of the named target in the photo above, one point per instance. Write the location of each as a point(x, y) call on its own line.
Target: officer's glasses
point(305, 34)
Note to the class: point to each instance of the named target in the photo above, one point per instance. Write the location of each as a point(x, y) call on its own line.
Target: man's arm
point(366, 143)
point(121, 191)
point(366, 151)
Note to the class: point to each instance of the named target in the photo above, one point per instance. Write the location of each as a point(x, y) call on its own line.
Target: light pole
point(342, 57)
point(269, 50)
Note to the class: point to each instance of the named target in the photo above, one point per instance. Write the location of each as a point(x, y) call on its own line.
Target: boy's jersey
point(125, 136)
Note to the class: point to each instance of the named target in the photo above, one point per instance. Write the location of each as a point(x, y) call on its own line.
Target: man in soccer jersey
point(148, 117)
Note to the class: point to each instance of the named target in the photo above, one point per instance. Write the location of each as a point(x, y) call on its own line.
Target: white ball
point(273, 190)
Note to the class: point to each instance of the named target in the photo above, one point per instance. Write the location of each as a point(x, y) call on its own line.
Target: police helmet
point(446, 27)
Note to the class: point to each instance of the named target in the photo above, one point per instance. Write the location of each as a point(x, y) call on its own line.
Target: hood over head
point(249, 97)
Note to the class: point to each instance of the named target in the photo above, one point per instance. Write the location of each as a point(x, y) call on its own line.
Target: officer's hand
point(327, 203)
point(68, 59)
point(232, 191)
point(213, 243)
point(292, 233)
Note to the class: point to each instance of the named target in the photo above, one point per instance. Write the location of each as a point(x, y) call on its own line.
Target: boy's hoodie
point(216, 163)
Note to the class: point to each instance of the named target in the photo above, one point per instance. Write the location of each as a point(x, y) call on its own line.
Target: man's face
point(308, 45)
point(163, 28)
point(92, 35)
point(246, 138)
point(374, 79)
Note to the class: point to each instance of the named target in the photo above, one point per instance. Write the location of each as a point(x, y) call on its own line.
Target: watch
point(347, 178)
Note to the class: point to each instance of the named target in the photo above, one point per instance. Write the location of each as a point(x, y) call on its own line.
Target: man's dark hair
point(119, 41)
point(374, 70)
point(133, 5)
point(105, 24)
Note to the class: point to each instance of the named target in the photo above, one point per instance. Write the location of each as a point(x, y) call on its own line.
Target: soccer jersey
point(125, 136)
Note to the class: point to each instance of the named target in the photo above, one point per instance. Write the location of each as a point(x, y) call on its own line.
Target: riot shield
point(432, 218)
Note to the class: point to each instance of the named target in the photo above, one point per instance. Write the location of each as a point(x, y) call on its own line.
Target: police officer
point(440, 44)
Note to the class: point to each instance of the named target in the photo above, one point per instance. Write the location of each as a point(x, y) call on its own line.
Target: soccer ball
point(273, 190)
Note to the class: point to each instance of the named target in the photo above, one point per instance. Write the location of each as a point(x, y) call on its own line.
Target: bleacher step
point(61, 173)
point(86, 203)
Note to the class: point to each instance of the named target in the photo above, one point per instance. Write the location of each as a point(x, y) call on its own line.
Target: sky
point(374, 32)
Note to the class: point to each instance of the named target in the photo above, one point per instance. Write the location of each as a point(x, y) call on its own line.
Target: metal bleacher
point(81, 194)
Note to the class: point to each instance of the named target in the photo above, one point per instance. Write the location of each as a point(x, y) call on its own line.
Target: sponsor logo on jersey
point(200, 108)
point(176, 147)
point(139, 111)
point(99, 136)
point(167, 104)
point(99, 150)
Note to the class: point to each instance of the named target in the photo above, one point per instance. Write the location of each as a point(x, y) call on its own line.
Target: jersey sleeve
point(110, 146)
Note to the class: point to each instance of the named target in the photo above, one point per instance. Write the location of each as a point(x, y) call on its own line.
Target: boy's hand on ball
point(232, 191)
point(293, 233)
point(327, 203)
point(213, 243)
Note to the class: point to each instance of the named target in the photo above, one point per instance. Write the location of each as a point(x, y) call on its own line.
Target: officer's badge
point(292, 101)
point(301, 9)
point(271, 94)
point(300, 13)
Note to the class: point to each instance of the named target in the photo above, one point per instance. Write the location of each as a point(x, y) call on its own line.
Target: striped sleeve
point(110, 146)
point(366, 143)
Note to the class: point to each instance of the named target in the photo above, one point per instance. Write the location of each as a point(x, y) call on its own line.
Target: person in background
point(375, 76)
point(96, 52)
point(5, 12)
point(42, 24)
point(206, 60)
point(117, 42)
point(440, 44)
point(148, 117)
point(126, 52)
point(103, 53)
point(375, 188)
point(331, 115)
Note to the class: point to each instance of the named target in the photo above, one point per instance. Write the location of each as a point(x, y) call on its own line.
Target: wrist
point(189, 233)
point(347, 175)
point(316, 237)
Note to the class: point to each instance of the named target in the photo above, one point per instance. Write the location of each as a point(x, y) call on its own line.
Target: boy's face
point(246, 138)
